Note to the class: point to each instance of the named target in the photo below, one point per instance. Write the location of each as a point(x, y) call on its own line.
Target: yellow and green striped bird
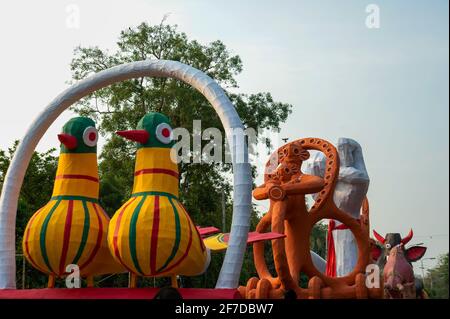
point(152, 235)
point(72, 227)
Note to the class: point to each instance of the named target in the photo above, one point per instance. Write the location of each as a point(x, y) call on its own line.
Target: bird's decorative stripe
point(27, 234)
point(77, 176)
point(85, 234)
point(154, 193)
point(66, 238)
point(154, 237)
point(157, 171)
point(70, 197)
point(75, 233)
point(116, 233)
point(155, 182)
point(68, 233)
point(177, 237)
point(71, 228)
point(44, 233)
point(99, 238)
point(102, 211)
point(157, 238)
point(132, 234)
point(200, 239)
point(186, 252)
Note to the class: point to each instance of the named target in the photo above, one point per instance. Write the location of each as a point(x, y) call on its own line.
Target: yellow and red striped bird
point(72, 227)
point(152, 234)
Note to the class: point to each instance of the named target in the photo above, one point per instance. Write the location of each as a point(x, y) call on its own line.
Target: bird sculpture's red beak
point(140, 136)
point(69, 141)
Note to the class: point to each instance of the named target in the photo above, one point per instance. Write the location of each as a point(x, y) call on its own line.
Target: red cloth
point(114, 293)
point(331, 254)
point(205, 231)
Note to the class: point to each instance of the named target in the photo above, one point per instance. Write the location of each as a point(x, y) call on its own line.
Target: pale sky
point(387, 88)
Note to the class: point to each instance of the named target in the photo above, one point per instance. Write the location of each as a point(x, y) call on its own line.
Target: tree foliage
point(36, 191)
point(318, 239)
point(436, 280)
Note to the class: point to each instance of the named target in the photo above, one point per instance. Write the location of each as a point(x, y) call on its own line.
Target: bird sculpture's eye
point(164, 133)
point(90, 136)
point(388, 246)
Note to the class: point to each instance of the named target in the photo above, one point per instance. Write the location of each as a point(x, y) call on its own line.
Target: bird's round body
point(72, 227)
point(152, 234)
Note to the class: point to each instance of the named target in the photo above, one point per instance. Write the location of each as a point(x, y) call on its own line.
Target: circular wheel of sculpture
point(286, 186)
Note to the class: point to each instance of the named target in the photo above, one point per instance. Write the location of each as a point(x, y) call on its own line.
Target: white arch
point(231, 267)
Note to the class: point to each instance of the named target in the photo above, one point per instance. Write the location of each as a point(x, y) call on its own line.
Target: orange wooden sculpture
point(286, 186)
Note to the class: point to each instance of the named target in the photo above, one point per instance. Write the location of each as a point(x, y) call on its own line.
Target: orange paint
point(286, 187)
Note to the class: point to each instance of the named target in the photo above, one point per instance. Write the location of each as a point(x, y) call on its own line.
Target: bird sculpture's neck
point(155, 172)
point(77, 175)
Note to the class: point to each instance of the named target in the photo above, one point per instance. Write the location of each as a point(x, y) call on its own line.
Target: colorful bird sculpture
point(72, 227)
point(152, 234)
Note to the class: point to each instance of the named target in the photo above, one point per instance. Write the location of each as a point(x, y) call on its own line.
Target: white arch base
point(231, 267)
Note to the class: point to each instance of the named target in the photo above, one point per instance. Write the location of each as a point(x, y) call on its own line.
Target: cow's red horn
point(408, 237)
point(380, 238)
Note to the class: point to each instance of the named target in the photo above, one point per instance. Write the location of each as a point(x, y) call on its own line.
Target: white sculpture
point(350, 191)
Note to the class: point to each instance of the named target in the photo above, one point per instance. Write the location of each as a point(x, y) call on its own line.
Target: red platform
point(114, 293)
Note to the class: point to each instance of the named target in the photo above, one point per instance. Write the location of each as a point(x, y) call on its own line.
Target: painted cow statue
point(395, 261)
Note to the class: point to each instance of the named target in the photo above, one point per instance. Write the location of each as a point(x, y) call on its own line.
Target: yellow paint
point(84, 164)
point(149, 157)
point(49, 245)
point(216, 243)
point(155, 158)
point(142, 233)
point(77, 163)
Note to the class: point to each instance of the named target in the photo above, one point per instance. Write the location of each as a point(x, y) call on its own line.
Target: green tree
point(436, 280)
point(318, 239)
point(35, 193)
point(121, 105)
